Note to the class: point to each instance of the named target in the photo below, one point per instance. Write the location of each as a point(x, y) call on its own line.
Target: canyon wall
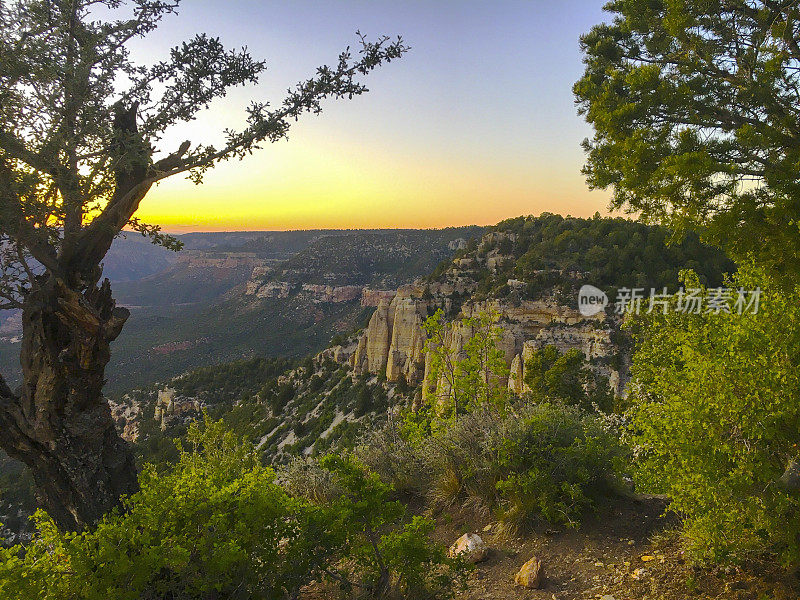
point(261, 286)
point(394, 339)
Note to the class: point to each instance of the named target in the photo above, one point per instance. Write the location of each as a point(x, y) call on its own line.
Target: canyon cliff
point(393, 341)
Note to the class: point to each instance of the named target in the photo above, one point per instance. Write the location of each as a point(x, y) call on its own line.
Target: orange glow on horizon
point(314, 184)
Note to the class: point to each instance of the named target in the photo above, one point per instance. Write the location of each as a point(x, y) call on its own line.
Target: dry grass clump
point(543, 462)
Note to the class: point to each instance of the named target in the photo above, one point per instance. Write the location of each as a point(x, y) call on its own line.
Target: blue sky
point(475, 124)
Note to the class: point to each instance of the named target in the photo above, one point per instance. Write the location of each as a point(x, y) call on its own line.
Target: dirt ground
point(628, 551)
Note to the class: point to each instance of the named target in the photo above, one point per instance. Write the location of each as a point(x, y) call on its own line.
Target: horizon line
point(184, 230)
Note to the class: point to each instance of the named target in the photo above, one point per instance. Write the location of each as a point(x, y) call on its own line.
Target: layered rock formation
point(457, 244)
point(261, 286)
point(220, 260)
point(370, 297)
point(328, 293)
point(393, 342)
point(373, 346)
point(126, 415)
point(273, 289)
point(170, 407)
point(394, 339)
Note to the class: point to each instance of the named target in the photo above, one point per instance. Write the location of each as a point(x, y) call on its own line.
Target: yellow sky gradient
point(315, 183)
point(477, 123)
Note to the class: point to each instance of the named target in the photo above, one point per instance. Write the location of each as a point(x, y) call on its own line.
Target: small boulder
point(469, 546)
point(530, 575)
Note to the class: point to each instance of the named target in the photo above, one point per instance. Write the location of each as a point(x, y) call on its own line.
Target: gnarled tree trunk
point(59, 424)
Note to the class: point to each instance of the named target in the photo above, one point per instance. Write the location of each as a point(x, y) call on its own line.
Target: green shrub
point(277, 396)
point(379, 550)
point(567, 377)
point(550, 462)
point(396, 461)
point(316, 383)
point(216, 523)
point(716, 419)
point(458, 382)
point(461, 461)
point(557, 463)
point(364, 400)
point(421, 569)
point(388, 557)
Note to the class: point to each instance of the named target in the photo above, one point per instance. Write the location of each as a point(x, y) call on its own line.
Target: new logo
point(591, 300)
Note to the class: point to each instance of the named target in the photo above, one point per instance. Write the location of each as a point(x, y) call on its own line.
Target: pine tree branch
point(14, 148)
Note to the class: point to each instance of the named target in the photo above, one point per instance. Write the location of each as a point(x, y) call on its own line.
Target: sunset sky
point(475, 124)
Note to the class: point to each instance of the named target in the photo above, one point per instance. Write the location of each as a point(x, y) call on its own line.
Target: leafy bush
point(389, 454)
point(216, 523)
point(567, 377)
point(380, 552)
point(549, 461)
point(716, 420)
point(461, 461)
point(557, 462)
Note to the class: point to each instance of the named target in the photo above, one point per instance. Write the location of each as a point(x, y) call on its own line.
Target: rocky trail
point(629, 550)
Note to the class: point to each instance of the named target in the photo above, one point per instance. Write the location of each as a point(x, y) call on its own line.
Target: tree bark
point(60, 424)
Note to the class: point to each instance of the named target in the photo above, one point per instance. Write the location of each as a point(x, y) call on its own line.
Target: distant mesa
point(319, 293)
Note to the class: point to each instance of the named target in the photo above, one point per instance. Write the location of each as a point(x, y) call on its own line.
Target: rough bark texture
point(59, 424)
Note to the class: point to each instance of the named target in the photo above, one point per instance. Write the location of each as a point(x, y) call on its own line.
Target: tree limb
point(14, 148)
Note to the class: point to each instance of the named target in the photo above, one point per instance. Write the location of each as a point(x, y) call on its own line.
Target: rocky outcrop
point(219, 260)
point(260, 287)
point(530, 575)
point(327, 293)
point(592, 341)
point(515, 377)
point(370, 297)
point(257, 280)
point(126, 416)
point(405, 356)
point(170, 407)
point(273, 289)
point(457, 244)
point(340, 354)
point(373, 346)
point(394, 339)
point(494, 260)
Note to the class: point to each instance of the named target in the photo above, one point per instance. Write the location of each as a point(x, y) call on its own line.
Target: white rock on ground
point(470, 546)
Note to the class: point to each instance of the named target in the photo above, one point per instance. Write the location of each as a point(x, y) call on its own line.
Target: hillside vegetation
point(552, 255)
point(544, 252)
point(558, 454)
